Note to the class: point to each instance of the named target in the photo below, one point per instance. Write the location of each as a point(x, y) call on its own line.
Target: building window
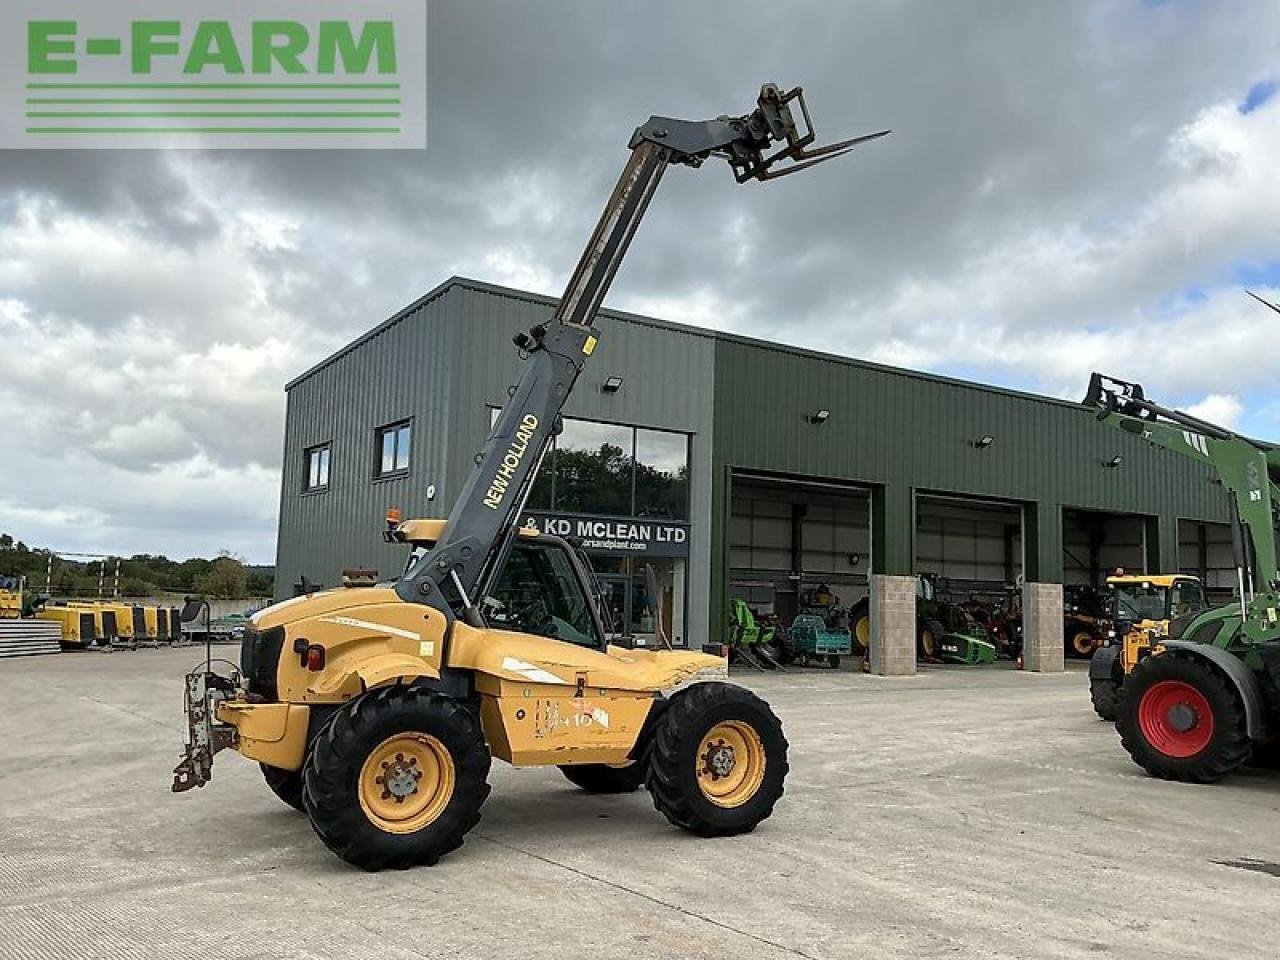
point(608, 469)
point(393, 449)
point(315, 475)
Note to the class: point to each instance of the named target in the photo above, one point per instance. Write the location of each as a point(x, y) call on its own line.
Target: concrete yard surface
point(958, 813)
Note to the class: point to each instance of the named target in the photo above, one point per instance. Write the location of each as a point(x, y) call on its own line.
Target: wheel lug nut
point(386, 794)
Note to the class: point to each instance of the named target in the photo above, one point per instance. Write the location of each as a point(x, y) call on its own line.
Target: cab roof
point(429, 530)
point(1159, 579)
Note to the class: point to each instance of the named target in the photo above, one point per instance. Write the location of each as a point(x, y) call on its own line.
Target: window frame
point(551, 467)
point(325, 448)
point(379, 441)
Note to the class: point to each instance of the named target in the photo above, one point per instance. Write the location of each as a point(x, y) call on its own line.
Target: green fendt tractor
point(1200, 709)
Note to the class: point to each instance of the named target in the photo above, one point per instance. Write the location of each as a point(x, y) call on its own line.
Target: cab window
point(1188, 598)
point(539, 592)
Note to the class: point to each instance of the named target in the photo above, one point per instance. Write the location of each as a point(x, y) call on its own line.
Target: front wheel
point(396, 778)
point(719, 760)
point(604, 778)
point(1180, 720)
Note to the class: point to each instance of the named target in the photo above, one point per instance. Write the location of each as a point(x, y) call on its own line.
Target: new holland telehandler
point(376, 709)
point(1206, 702)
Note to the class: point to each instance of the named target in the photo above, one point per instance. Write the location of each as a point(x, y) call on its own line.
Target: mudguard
point(1105, 664)
point(1241, 677)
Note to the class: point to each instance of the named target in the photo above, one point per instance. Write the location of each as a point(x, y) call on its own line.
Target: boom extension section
point(774, 140)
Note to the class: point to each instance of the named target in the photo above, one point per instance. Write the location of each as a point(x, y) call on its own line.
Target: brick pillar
point(893, 625)
point(1042, 627)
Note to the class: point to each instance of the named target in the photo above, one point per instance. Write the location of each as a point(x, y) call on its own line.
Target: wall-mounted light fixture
point(822, 416)
point(611, 385)
point(983, 441)
point(1113, 462)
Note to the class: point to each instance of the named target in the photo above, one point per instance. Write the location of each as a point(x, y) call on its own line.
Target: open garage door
point(1095, 543)
point(1204, 550)
point(797, 547)
point(969, 557)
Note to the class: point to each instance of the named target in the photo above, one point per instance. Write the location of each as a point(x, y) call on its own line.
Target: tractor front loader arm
point(775, 139)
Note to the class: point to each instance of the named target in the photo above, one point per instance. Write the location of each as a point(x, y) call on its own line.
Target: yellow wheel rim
point(730, 763)
point(862, 630)
point(927, 642)
point(406, 782)
point(1082, 641)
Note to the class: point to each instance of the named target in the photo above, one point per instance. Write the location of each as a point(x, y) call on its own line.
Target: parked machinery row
point(982, 628)
point(112, 624)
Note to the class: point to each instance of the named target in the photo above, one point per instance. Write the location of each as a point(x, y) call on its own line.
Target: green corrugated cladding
point(901, 433)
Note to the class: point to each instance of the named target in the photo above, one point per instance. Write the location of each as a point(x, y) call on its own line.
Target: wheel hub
point(399, 778)
point(719, 760)
point(1183, 717)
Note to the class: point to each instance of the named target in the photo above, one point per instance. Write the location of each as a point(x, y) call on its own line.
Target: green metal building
point(733, 466)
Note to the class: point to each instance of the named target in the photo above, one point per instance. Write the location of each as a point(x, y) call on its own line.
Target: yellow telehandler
point(1143, 608)
point(377, 709)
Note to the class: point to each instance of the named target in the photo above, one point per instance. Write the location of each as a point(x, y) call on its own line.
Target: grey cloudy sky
point(1069, 186)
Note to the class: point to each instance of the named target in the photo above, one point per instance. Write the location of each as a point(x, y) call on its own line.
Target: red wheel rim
point(1176, 718)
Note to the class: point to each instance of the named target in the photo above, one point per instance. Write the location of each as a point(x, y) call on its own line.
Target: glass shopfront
point(622, 494)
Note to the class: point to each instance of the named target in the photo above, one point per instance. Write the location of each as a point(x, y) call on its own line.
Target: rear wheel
point(1082, 642)
point(719, 760)
point(1180, 720)
point(285, 784)
point(930, 635)
point(1106, 699)
point(603, 778)
point(861, 631)
point(396, 778)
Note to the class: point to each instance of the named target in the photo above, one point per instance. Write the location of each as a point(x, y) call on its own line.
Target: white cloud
point(1221, 409)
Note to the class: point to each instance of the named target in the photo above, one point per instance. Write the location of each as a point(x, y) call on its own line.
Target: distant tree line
point(225, 577)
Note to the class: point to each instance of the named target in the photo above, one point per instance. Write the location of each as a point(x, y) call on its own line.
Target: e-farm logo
point(213, 74)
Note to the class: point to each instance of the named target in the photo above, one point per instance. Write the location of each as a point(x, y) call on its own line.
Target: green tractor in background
point(945, 631)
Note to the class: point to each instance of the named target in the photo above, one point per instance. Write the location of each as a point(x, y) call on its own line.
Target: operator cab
point(543, 589)
point(1155, 599)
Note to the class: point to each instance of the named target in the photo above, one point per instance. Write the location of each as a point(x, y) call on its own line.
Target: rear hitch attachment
point(204, 690)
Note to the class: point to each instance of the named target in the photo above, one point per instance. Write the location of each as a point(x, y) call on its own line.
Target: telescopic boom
point(773, 140)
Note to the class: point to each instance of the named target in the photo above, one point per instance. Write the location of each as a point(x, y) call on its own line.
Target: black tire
point(1106, 699)
point(931, 633)
point(860, 627)
point(285, 784)
point(833, 661)
point(673, 777)
point(602, 778)
point(1226, 749)
point(332, 775)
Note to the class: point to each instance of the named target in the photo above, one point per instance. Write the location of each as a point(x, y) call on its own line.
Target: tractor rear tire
point(396, 778)
point(1180, 720)
point(603, 778)
point(719, 760)
point(931, 634)
point(1106, 698)
point(860, 630)
point(285, 784)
